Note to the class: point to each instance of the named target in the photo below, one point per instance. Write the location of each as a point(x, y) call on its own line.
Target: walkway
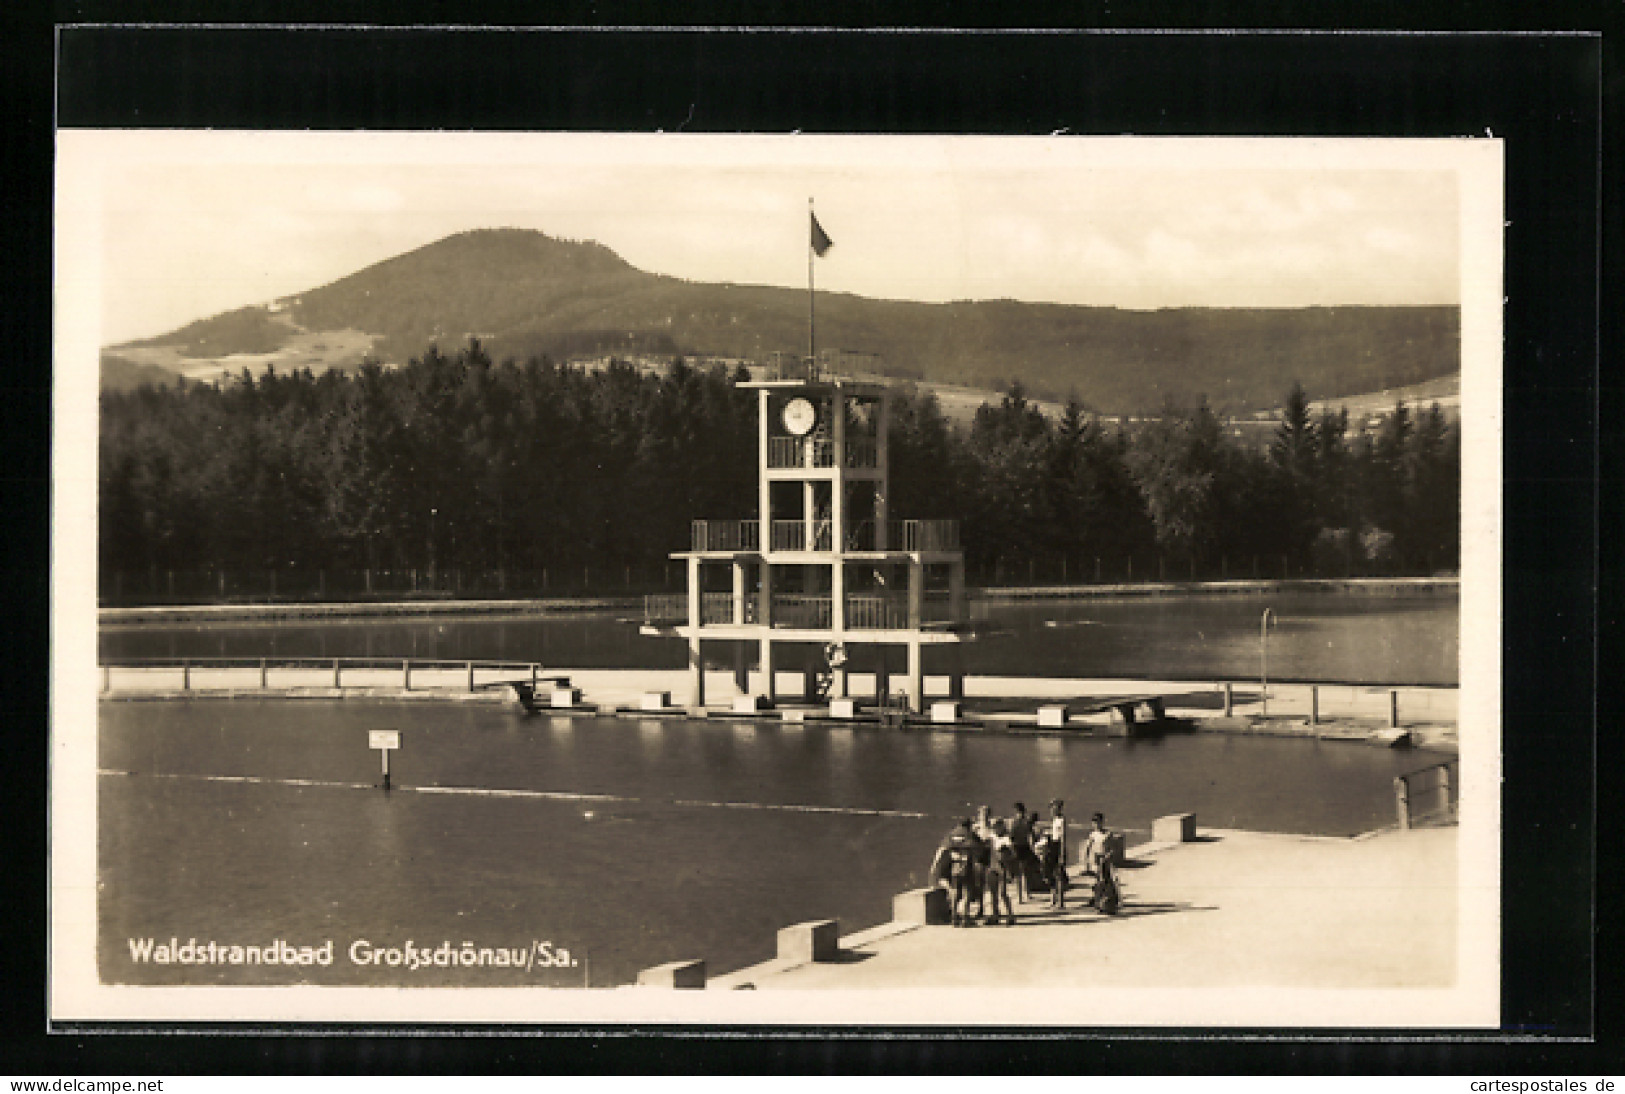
point(1235, 909)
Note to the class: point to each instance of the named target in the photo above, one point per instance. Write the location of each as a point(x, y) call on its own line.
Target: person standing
point(1001, 862)
point(1095, 844)
point(1055, 855)
point(1098, 860)
point(957, 859)
point(1021, 840)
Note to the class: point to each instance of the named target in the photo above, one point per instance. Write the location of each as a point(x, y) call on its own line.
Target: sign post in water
point(384, 740)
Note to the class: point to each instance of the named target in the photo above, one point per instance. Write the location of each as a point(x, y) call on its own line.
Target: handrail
point(802, 612)
point(337, 665)
point(208, 661)
point(725, 535)
point(785, 452)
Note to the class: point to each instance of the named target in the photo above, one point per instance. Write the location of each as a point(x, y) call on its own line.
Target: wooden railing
point(802, 612)
point(1428, 794)
point(665, 608)
point(876, 613)
point(861, 452)
point(264, 666)
point(716, 608)
point(888, 611)
point(800, 452)
point(725, 535)
point(924, 535)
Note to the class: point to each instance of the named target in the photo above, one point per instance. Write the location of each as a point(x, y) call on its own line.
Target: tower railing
point(802, 612)
point(725, 535)
point(801, 452)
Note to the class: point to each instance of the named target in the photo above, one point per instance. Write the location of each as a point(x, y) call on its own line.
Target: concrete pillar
point(916, 678)
point(186, 676)
point(837, 503)
point(1402, 801)
point(923, 906)
point(764, 605)
point(809, 510)
point(814, 940)
point(882, 679)
point(1393, 708)
point(769, 687)
point(1314, 704)
point(674, 974)
point(741, 666)
point(1174, 828)
point(406, 674)
point(471, 676)
point(694, 591)
point(696, 674)
point(265, 674)
point(764, 496)
point(916, 592)
point(838, 686)
point(739, 593)
point(837, 591)
point(1229, 699)
point(882, 472)
point(336, 673)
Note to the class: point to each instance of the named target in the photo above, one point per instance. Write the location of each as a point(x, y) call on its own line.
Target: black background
point(1543, 93)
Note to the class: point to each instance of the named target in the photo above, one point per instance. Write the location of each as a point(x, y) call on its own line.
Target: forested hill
point(525, 294)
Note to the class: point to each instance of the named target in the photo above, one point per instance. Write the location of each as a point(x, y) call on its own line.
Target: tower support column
point(696, 675)
point(769, 687)
point(916, 677)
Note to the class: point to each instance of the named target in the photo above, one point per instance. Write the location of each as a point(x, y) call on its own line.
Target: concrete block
point(749, 704)
point(925, 906)
point(674, 974)
point(843, 708)
point(793, 714)
point(1053, 716)
point(946, 710)
point(1175, 828)
point(566, 697)
point(814, 940)
point(655, 700)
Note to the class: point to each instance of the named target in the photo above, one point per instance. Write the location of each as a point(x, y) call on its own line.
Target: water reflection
point(1355, 638)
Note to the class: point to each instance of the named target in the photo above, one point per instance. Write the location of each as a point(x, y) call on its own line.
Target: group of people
point(980, 861)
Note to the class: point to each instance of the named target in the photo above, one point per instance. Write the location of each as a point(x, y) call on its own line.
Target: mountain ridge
point(524, 293)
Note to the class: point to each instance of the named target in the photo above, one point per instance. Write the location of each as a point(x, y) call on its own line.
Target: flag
point(820, 241)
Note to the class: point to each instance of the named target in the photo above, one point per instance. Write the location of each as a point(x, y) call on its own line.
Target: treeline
point(456, 462)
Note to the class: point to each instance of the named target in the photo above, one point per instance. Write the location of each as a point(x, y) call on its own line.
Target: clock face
point(799, 416)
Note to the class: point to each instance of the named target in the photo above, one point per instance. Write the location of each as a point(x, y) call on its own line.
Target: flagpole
point(812, 357)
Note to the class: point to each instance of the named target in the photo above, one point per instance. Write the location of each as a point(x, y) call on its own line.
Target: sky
point(194, 223)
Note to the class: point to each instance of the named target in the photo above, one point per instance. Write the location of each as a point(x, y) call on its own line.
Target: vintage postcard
point(897, 581)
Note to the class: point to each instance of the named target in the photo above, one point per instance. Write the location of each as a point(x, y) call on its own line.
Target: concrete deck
point(1233, 909)
point(992, 701)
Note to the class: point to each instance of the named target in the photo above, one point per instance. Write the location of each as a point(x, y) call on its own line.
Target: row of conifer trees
point(456, 462)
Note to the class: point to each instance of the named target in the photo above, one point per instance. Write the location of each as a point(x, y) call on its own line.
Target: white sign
point(383, 738)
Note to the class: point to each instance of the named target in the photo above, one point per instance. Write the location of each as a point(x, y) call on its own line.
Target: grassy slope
point(524, 293)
